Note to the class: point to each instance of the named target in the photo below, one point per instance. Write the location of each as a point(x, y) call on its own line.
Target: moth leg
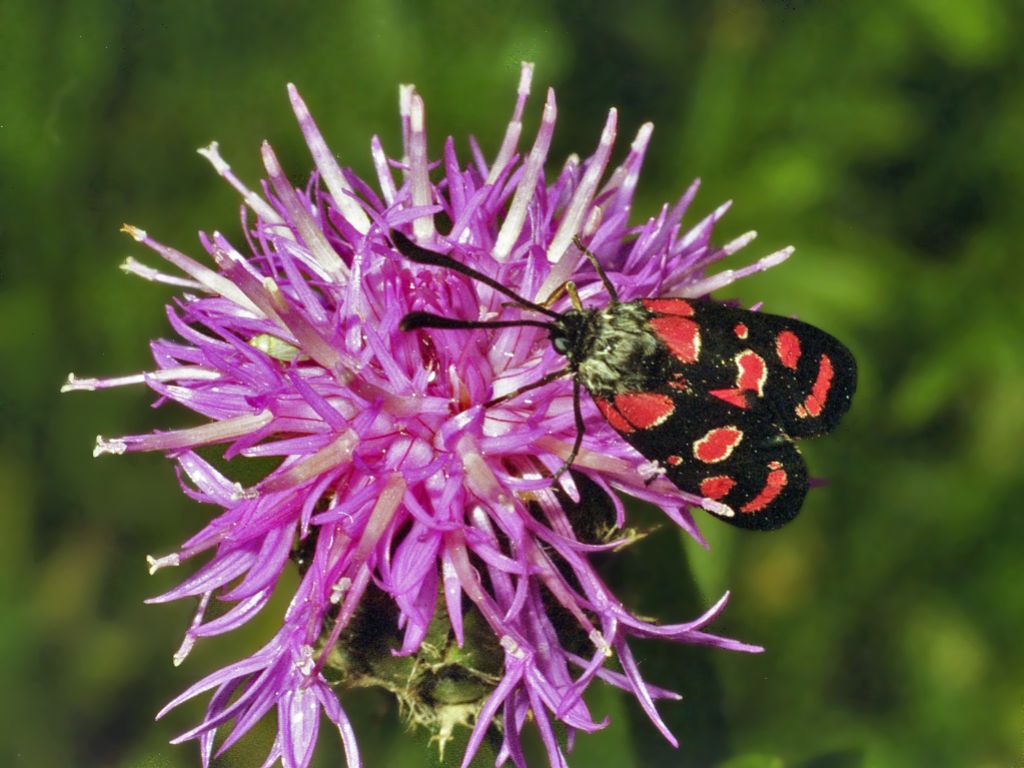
point(574, 297)
point(580, 428)
point(555, 295)
point(567, 287)
point(612, 293)
point(528, 387)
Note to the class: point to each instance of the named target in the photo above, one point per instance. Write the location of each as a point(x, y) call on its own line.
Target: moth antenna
point(415, 253)
point(612, 293)
point(415, 320)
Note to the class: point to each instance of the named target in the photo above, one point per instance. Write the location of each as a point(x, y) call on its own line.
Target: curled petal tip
point(183, 651)
point(134, 232)
point(115, 446)
point(778, 257)
point(167, 561)
point(75, 384)
point(270, 161)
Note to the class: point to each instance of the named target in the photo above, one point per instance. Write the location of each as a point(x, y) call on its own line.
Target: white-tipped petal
point(114, 447)
point(330, 171)
point(172, 560)
point(259, 206)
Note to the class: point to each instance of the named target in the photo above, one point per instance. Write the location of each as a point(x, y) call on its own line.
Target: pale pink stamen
point(259, 206)
point(183, 373)
point(479, 476)
point(380, 518)
point(330, 171)
point(336, 453)
point(469, 579)
point(172, 560)
point(626, 176)
point(214, 432)
point(702, 231)
point(422, 226)
point(739, 242)
point(298, 212)
point(527, 188)
point(189, 641)
point(558, 252)
point(384, 177)
point(131, 266)
point(726, 277)
point(515, 125)
point(554, 581)
point(204, 275)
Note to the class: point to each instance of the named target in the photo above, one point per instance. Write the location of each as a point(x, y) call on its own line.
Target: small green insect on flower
point(276, 348)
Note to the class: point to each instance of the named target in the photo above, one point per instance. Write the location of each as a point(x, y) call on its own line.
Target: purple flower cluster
point(392, 476)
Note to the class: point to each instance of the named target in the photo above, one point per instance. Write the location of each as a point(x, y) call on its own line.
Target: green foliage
point(882, 139)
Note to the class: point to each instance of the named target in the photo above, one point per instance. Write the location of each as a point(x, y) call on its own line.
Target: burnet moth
point(716, 395)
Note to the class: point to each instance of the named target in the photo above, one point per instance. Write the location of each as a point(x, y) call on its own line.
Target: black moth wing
point(809, 376)
point(722, 414)
point(707, 447)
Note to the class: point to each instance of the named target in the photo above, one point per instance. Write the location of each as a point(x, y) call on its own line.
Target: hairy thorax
point(617, 352)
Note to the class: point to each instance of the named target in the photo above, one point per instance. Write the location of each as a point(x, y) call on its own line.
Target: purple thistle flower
point(393, 480)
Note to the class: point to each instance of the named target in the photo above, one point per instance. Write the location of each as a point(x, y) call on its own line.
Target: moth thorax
point(618, 352)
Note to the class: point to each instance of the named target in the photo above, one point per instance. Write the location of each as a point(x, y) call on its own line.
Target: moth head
point(568, 333)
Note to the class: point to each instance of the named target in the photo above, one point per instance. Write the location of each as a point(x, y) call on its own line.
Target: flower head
point(397, 491)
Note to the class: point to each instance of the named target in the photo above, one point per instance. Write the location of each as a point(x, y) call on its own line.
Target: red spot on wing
point(644, 410)
point(751, 375)
point(678, 381)
point(787, 347)
point(814, 403)
point(680, 335)
point(616, 419)
point(741, 331)
point(674, 460)
point(716, 487)
point(773, 486)
point(737, 397)
point(752, 371)
point(717, 445)
point(679, 307)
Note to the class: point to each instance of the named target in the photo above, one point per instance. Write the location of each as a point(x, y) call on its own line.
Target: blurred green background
point(884, 140)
